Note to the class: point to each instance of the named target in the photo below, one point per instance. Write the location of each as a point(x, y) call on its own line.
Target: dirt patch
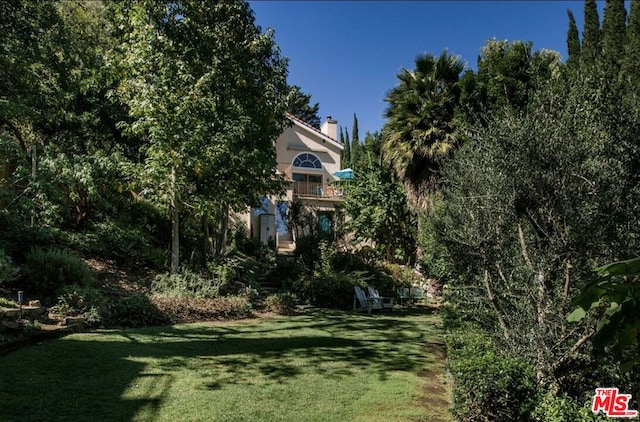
point(118, 280)
point(436, 387)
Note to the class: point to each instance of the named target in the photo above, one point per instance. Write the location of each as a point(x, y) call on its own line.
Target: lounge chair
point(385, 302)
point(416, 294)
point(412, 294)
point(403, 294)
point(362, 303)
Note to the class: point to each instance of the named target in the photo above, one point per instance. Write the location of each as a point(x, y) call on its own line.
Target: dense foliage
point(130, 127)
point(133, 128)
point(541, 189)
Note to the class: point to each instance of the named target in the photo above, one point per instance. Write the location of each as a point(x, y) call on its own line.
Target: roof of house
point(301, 123)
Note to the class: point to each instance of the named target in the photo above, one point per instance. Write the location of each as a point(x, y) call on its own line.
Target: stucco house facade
point(307, 158)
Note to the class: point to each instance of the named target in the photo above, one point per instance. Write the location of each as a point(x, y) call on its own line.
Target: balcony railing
point(317, 190)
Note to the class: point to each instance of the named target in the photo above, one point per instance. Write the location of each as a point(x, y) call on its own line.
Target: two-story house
point(307, 158)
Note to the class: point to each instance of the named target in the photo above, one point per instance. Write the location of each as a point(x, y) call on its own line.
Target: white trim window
point(306, 160)
point(307, 174)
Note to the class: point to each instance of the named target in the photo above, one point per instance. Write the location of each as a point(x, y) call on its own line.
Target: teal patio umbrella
point(344, 174)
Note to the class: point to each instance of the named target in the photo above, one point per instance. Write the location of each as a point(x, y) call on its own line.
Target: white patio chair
point(385, 302)
point(365, 303)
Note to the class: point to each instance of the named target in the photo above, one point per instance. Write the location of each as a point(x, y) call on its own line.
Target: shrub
point(307, 250)
point(286, 273)
point(243, 243)
point(8, 303)
point(83, 301)
point(562, 408)
point(335, 290)
point(186, 283)
point(127, 244)
point(136, 311)
point(7, 271)
point(333, 260)
point(236, 273)
point(18, 239)
point(46, 271)
point(281, 303)
point(184, 309)
point(487, 384)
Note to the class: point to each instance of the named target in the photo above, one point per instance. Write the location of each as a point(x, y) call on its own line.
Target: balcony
point(317, 190)
point(311, 189)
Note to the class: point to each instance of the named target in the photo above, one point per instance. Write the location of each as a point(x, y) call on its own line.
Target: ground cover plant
point(318, 366)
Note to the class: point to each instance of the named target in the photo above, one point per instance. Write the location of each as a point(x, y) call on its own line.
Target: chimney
point(330, 128)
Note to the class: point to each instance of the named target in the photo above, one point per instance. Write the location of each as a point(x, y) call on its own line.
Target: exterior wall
point(295, 140)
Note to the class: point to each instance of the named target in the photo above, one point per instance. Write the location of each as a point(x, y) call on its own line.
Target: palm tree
point(420, 129)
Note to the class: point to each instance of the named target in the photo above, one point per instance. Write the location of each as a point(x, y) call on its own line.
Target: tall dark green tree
point(346, 152)
point(591, 43)
point(371, 147)
point(573, 41)
point(355, 143)
point(614, 27)
point(299, 104)
point(347, 142)
point(631, 62)
point(508, 72)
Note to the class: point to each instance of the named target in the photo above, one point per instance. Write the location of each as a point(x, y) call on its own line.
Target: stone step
point(32, 311)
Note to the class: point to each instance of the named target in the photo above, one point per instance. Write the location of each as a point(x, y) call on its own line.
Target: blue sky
point(346, 54)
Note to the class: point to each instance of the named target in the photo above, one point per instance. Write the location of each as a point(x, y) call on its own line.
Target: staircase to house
point(286, 247)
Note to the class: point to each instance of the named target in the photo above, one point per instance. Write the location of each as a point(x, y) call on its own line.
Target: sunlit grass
point(320, 366)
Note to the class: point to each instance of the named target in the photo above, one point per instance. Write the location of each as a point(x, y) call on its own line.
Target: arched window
point(307, 160)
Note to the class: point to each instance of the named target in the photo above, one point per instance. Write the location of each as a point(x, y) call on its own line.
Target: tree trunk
point(175, 225)
point(224, 228)
point(494, 305)
point(541, 310)
point(206, 244)
point(34, 169)
point(540, 299)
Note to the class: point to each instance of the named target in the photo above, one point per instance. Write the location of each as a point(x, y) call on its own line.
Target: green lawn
point(319, 366)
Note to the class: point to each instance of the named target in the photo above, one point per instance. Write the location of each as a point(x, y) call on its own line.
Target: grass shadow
point(117, 374)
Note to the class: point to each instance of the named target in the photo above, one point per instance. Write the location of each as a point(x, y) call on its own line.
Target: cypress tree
point(347, 142)
point(614, 27)
point(591, 33)
point(573, 41)
point(346, 153)
point(355, 142)
point(631, 62)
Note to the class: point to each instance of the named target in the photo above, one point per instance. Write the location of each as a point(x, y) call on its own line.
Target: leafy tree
point(617, 291)
point(31, 100)
point(529, 206)
point(573, 41)
point(508, 72)
point(420, 130)
point(300, 106)
point(59, 123)
point(376, 203)
point(205, 87)
point(372, 148)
